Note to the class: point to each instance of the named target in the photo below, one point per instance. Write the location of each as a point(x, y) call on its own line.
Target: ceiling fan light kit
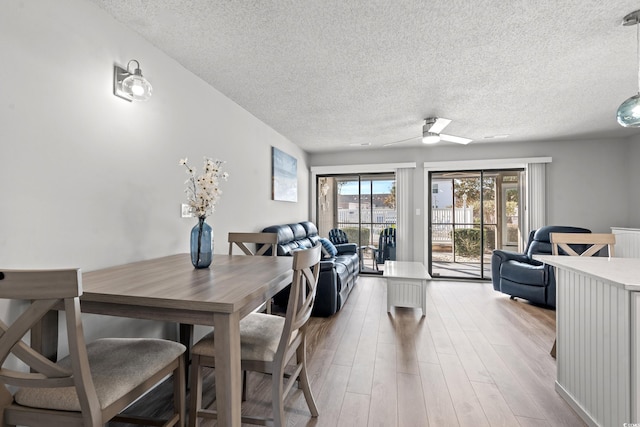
point(430, 137)
point(628, 113)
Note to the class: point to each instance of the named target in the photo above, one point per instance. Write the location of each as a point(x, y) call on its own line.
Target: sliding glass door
point(472, 213)
point(362, 205)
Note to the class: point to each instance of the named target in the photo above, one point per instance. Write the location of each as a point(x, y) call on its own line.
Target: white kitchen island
point(598, 337)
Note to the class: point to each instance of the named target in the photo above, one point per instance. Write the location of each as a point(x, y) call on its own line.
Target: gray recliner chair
point(519, 275)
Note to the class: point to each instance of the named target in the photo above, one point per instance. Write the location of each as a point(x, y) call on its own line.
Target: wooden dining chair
point(96, 381)
point(269, 344)
point(591, 244)
point(263, 242)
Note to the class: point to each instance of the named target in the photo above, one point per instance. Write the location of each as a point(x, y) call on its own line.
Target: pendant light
point(629, 111)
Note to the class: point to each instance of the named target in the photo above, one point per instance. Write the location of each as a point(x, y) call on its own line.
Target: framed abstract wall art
point(284, 176)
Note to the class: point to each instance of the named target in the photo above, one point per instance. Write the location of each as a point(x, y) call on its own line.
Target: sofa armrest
point(501, 257)
point(326, 302)
point(327, 264)
point(346, 248)
point(505, 256)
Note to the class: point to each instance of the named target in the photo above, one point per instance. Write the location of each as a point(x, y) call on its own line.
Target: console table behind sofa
point(338, 275)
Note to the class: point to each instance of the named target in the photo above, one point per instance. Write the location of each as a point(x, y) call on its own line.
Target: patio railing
point(442, 220)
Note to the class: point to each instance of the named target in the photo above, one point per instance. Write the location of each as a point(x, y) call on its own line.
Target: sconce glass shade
point(430, 138)
point(137, 86)
point(131, 85)
point(629, 112)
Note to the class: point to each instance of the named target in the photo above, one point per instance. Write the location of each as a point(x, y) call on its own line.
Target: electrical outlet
point(186, 211)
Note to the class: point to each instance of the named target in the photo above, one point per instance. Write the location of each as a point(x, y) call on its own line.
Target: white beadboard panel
point(406, 293)
point(635, 356)
point(627, 242)
point(594, 348)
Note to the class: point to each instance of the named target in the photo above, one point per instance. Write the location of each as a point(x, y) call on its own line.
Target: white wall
point(633, 196)
point(89, 180)
point(588, 182)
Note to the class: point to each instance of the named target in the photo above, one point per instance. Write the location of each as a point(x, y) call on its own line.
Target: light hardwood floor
point(476, 359)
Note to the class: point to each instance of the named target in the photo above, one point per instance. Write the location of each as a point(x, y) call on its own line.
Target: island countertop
point(624, 272)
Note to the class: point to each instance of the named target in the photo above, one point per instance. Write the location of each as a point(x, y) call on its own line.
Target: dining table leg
point(44, 336)
point(227, 372)
point(185, 335)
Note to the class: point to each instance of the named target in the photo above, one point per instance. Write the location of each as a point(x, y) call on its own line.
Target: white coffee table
point(406, 284)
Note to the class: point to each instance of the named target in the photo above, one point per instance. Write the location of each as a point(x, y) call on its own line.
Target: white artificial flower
point(202, 191)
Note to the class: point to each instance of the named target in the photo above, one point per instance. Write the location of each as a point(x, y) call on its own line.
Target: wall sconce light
point(130, 85)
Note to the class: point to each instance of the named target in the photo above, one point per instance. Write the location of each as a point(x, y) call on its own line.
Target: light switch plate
point(185, 211)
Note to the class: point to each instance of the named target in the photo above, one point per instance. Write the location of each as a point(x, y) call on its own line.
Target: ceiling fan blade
point(401, 141)
point(437, 124)
point(456, 139)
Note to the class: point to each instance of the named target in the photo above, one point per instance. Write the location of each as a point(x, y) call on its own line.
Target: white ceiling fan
point(431, 133)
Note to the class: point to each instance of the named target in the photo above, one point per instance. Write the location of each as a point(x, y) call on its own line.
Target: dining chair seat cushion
point(118, 365)
point(259, 338)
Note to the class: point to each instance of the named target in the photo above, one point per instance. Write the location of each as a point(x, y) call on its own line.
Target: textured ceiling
point(334, 74)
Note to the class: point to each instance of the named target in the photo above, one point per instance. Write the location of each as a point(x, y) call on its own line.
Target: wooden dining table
point(170, 289)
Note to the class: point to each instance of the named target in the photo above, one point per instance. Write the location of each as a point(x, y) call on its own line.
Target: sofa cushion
point(285, 234)
point(543, 234)
point(299, 232)
point(328, 248)
point(351, 262)
point(304, 243)
point(286, 249)
point(310, 228)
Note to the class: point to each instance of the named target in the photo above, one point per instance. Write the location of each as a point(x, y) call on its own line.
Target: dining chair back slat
point(593, 243)
point(262, 241)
